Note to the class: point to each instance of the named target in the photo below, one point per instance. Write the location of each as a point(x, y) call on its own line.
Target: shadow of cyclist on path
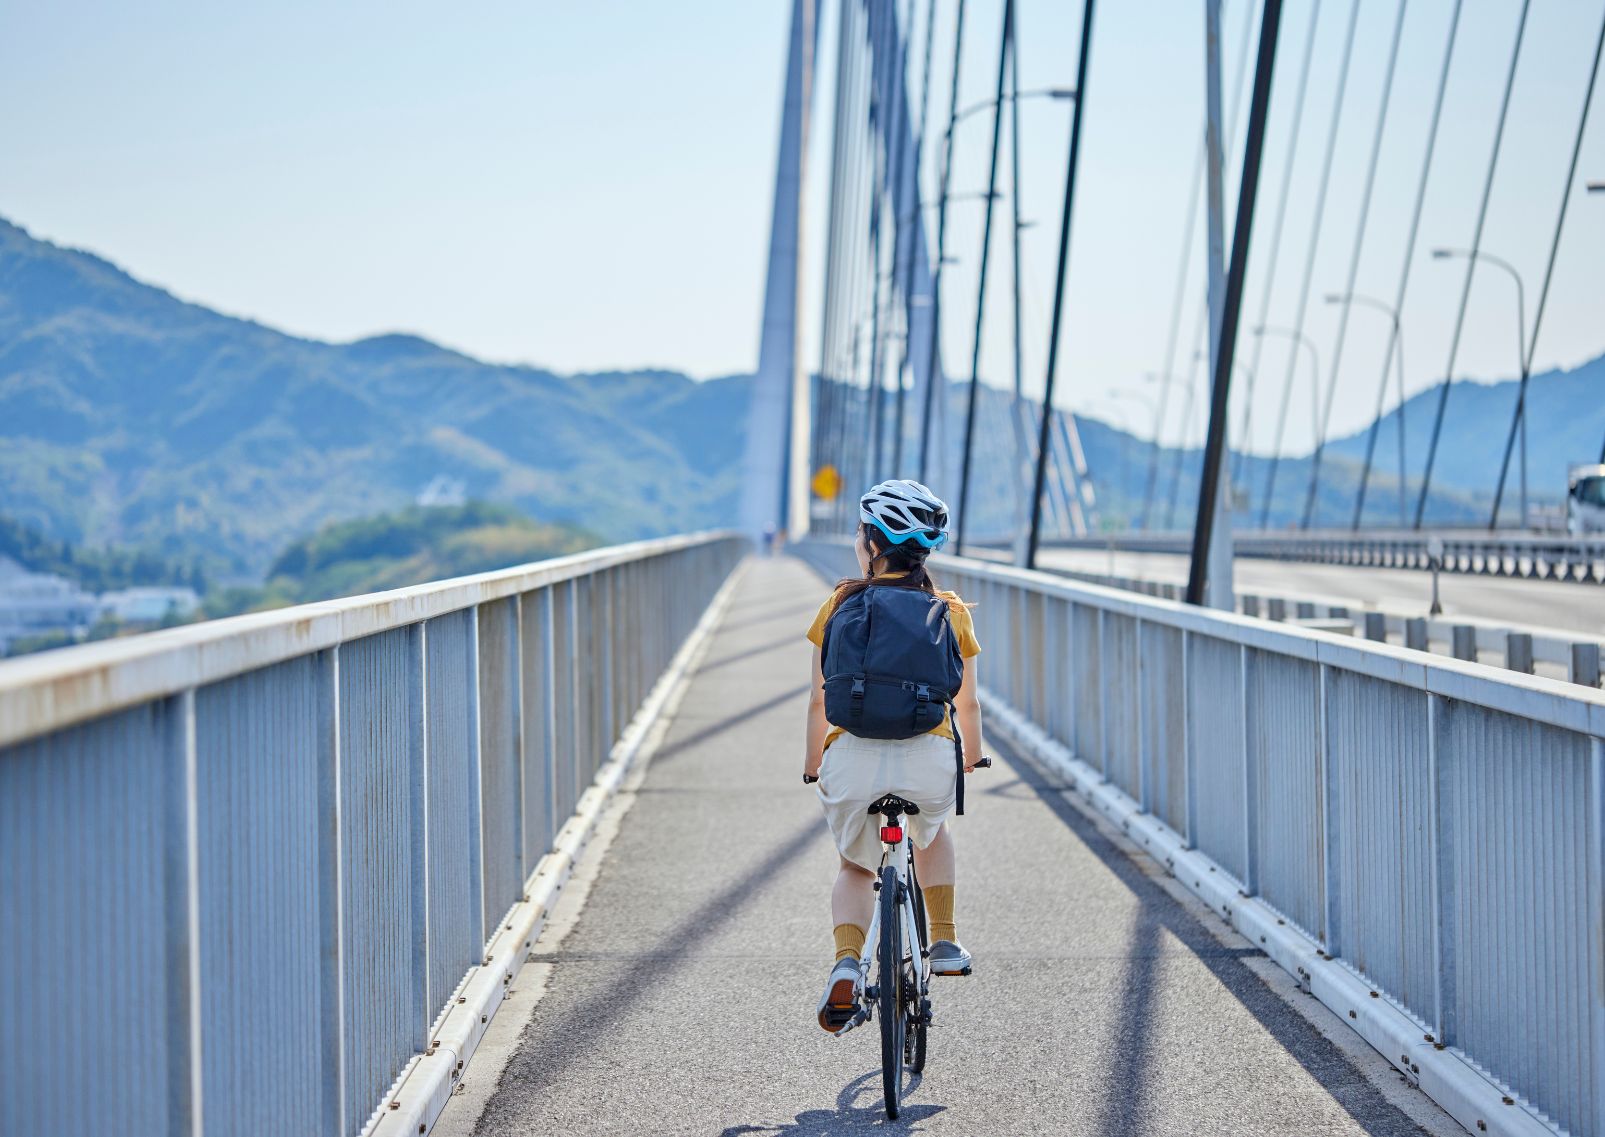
point(859, 1108)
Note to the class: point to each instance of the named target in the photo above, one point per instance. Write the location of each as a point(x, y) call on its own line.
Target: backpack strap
point(857, 713)
point(922, 707)
point(958, 760)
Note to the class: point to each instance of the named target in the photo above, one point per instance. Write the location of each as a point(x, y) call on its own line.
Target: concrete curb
point(1460, 1089)
point(414, 1102)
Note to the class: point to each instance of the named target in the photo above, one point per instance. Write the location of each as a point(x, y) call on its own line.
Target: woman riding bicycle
point(901, 523)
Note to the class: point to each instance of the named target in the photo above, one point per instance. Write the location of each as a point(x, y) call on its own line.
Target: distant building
point(148, 605)
point(33, 603)
point(442, 490)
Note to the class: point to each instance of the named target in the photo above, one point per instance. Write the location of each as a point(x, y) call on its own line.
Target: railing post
point(1519, 652)
point(1585, 664)
point(1331, 851)
point(1443, 884)
point(1464, 645)
point(331, 943)
point(418, 822)
point(1376, 627)
point(1415, 634)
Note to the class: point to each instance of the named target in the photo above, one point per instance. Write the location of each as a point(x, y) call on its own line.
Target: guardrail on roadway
point(1518, 555)
point(1417, 839)
point(247, 866)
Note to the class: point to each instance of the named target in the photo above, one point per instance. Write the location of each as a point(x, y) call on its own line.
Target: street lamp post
point(1371, 436)
point(1519, 421)
point(1299, 339)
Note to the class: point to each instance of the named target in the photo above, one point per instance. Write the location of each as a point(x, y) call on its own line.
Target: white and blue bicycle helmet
point(903, 510)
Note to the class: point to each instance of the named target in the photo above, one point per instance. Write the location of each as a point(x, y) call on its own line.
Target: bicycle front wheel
point(890, 994)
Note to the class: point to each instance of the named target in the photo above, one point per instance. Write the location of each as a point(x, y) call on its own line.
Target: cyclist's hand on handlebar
point(984, 762)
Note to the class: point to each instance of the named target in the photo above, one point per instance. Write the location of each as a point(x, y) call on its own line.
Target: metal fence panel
point(535, 653)
point(283, 813)
point(1521, 895)
point(1287, 804)
point(1121, 703)
point(501, 800)
point(266, 903)
point(1087, 691)
point(1215, 751)
point(1164, 719)
point(381, 924)
point(92, 836)
point(452, 809)
point(1380, 779)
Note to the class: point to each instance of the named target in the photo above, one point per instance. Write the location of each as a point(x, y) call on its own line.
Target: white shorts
point(856, 771)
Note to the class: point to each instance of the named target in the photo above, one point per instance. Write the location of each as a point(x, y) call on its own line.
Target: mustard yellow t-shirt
point(963, 633)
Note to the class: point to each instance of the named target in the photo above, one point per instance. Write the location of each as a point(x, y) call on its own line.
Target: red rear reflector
point(891, 834)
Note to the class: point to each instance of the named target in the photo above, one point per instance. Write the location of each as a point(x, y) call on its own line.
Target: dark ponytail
point(908, 558)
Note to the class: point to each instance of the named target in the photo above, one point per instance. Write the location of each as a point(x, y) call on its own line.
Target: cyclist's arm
point(968, 705)
point(817, 726)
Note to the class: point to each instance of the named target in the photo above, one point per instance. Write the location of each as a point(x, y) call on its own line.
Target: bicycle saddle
point(891, 804)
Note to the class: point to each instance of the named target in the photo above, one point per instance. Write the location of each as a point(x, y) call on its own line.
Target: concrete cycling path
point(680, 999)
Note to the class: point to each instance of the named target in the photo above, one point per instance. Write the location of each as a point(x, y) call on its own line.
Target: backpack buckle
point(858, 688)
point(922, 692)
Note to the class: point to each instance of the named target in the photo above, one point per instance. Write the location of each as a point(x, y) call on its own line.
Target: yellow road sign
point(827, 483)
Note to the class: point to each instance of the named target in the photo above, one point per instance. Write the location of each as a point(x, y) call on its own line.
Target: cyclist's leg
point(852, 901)
point(936, 863)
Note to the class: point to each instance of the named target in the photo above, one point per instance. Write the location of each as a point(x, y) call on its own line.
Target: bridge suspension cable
point(1520, 414)
point(1354, 263)
point(1471, 266)
point(1404, 275)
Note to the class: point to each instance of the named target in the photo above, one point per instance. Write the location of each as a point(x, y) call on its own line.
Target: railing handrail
point(1532, 697)
point(46, 692)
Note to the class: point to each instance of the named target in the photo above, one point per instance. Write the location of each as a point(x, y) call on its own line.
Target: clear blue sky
point(586, 186)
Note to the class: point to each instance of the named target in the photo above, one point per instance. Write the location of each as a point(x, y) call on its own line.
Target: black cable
point(1354, 265)
point(1471, 267)
point(937, 376)
point(1276, 237)
point(1005, 40)
point(1404, 269)
point(1220, 390)
point(1549, 272)
point(1043, 437)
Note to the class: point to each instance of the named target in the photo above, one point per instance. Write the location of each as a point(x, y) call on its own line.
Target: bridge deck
point(682, 999)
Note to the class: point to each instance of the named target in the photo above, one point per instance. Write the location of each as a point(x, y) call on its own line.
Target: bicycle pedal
point(961, 971)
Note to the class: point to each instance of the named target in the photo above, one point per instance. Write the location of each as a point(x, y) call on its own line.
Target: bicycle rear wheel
point(918, 1004)
point(890, 994)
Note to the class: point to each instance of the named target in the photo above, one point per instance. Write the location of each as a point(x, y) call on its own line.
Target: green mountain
point(129, 417)
point(392, 550)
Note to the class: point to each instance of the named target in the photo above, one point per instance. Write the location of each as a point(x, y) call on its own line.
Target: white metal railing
point(245, 866)
point(1576, 657)
point(1420, 840)
point(1533, 556)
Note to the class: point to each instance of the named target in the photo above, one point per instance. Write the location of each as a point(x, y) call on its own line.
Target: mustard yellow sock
point(939, 911)
point(849, 941)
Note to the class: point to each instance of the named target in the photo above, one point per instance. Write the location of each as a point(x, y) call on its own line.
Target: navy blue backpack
point(892, 666)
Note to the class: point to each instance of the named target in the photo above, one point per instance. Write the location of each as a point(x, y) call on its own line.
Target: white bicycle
point(897, 981)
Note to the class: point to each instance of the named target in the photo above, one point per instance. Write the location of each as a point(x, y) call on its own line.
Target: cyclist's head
point(903, 514)
point(900, 524)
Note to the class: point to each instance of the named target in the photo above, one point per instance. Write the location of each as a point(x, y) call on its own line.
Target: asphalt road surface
point(680, 988)
point(1566, 608)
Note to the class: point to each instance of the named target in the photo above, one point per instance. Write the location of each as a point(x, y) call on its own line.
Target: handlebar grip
point(810, 779)
point(985, 763)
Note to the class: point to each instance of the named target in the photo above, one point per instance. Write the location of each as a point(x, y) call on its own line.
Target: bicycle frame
point(901, 857)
